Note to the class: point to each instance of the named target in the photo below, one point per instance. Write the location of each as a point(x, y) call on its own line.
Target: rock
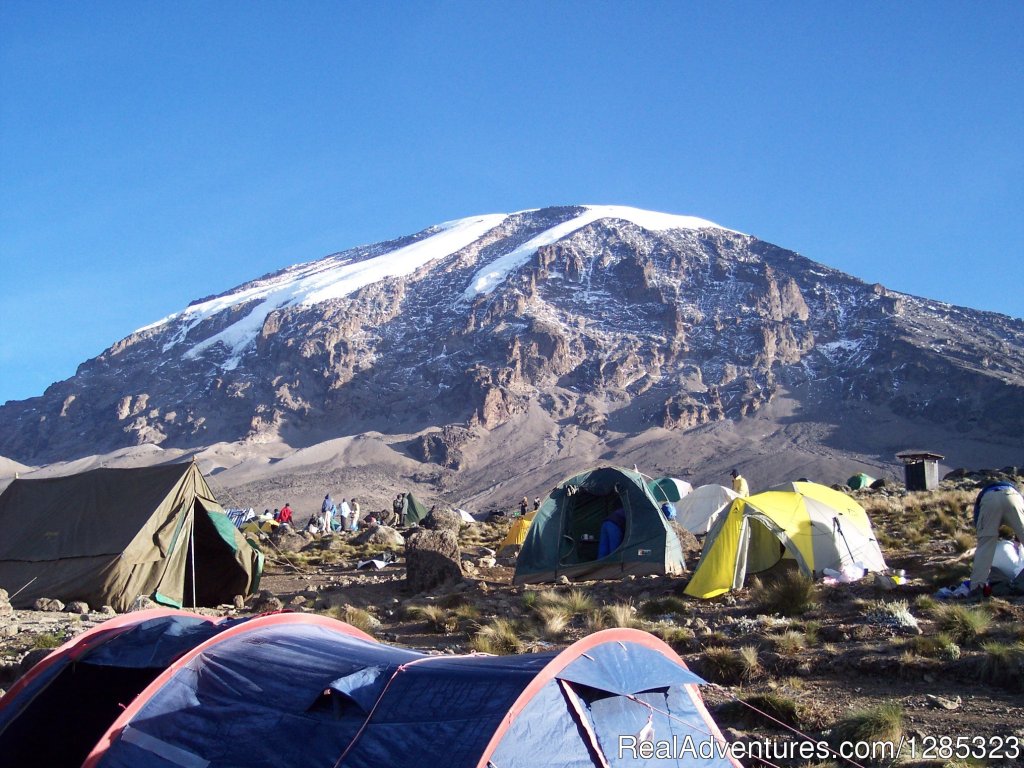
point(432, 559)
point(288, 541)
point(77, 606)
point(9, 629)
point(239, 602)
point(688, 543)
point(107, 610)
point(563, 579)
point(443, 520)
point(48, 604)
point(380, 536)
point(33, 657)
point(266, 602)
point(486, 562)
point(939, 702)
point(142, 603)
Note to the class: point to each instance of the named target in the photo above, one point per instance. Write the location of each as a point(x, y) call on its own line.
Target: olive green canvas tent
point(412, 510)
point(108, 536)
point(564, 537)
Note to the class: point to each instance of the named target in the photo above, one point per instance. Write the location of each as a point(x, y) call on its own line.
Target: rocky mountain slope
point(605, 323)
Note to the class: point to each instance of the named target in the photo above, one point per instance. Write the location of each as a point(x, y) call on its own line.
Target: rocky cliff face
point(609, 319)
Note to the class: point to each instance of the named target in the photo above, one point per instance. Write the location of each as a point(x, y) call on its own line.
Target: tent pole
point(192, 548)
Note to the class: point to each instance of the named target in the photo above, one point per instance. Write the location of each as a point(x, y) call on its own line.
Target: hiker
point(739, 484)
point(353, 522)
point(284, 517)
point(612, 531)
point(397, 506)
point(344, 513)
point(536, 503)
point(524, 506)
point(997, 504)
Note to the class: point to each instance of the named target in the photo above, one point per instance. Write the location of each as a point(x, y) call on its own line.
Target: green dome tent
point(860, 480)
point(563, 539)
point(412, 510)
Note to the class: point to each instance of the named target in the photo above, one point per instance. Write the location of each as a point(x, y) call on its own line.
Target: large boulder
point(443, 520)
point(288, 540)
point(383, 536)
point(431, 559)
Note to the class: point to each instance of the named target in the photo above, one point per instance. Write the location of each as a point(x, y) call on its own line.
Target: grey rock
point(77, 606)
point(48, 605)
point(432, 559)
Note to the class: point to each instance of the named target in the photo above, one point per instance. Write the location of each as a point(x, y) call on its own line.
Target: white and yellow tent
point(816, 526)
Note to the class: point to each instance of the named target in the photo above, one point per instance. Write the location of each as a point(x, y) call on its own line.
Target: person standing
point(344, 512)
point(996, 504)
point(524, 506)
point(353, 521)
point(739, 484)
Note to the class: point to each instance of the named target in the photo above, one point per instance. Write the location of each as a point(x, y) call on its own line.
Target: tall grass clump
point(501, 637)
point(1003, 664)
point(792, 594)
point(621, 615)
point(881, 725)
point(965, 624)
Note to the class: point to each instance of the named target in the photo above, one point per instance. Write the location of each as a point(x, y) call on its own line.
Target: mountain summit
point(607, 320)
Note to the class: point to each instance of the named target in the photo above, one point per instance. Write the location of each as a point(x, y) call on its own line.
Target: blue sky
point(154, 153)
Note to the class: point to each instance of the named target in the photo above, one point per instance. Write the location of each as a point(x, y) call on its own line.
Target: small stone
point(107, 610)
point(77, 606)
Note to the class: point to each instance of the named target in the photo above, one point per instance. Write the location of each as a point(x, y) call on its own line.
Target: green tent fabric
point(412, 510)
point(108, 536)
point(860, 480)
point(563, 539)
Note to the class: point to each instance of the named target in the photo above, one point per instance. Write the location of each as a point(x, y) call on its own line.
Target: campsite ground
point(855, 661)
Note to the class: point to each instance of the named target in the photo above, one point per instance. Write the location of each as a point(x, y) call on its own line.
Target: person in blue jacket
point(612, 531)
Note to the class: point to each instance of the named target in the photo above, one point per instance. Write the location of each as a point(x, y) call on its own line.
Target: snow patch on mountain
point(319, 281)
point(493, 274)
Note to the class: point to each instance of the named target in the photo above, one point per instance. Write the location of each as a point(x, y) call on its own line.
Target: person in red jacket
point(285, 515)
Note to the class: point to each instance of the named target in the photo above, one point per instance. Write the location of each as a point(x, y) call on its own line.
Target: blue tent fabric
point(300, 693)
point(79, 692)
point(616, 668)
point(563, 738)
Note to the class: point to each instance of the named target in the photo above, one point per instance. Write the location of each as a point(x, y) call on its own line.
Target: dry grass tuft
point(500, 637)
point(792, 594)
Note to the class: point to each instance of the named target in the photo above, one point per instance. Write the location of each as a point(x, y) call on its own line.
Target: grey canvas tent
point(109, 535)
point(564, 537)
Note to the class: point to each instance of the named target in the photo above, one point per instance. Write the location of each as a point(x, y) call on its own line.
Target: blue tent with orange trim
point(304, 690)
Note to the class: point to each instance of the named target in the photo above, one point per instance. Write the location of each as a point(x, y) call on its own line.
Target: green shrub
point(47, 640)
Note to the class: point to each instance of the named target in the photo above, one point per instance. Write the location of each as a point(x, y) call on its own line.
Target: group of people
point(335, 517)
point(524, 505)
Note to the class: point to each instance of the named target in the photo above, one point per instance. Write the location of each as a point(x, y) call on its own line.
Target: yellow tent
point(818, 527)
point(517, 533)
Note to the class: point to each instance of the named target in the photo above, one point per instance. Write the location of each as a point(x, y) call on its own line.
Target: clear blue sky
point(153, 153)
